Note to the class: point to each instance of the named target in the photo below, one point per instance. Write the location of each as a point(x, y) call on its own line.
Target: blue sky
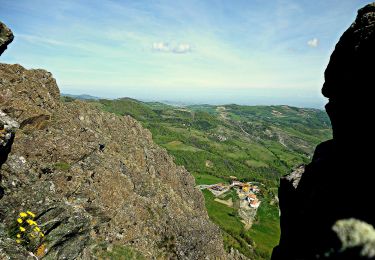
point(214, 51)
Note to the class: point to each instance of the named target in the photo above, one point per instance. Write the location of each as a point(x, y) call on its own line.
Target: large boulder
point(6, 37)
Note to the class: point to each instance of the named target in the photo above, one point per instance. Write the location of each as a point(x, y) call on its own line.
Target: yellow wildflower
point(18, 235)
point(37, 229)
point(22, 229)
point(19, 220)
point(23, 214)
point(31, 214)
point(41, 234)
point(31, 222)
point(18, 241)
point(32, 235)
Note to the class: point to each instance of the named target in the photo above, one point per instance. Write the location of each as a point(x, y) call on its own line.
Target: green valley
point(251, 143)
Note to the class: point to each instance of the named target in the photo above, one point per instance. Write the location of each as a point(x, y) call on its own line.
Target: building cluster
point(253, 201)
point(216, 189)
point(245, 187)
point(247, 191)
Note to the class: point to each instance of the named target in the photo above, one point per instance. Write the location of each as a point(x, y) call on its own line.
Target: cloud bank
point(180, 48)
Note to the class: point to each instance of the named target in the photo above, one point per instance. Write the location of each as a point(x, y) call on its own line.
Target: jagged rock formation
point(6, 37)
point(338, 184)
point(87, 200)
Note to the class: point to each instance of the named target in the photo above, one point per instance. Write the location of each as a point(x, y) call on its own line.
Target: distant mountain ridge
point(80, 96)
point(171, 103)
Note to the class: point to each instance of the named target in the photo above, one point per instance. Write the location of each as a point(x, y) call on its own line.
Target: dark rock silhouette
point(6, 37)
point(339, 182)
point(6, 124)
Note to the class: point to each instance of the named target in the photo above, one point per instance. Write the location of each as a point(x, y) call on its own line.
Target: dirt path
point(228, 202)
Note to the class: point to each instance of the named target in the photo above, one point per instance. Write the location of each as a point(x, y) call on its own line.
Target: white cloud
point(313, 43)
point(171, 48)
point(182, 48)
point(161, 46)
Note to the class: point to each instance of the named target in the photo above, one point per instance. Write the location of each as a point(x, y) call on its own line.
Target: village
point(248, 202)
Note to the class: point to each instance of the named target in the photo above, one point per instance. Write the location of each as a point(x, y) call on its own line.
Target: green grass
point(222, 215)
point(264, 234)
point(119, 252)
point(254, 163)
point(63, 166)
point(230, 195)
point(206, 179)
point(266, 230)
point(127, 106)
point(177, 145)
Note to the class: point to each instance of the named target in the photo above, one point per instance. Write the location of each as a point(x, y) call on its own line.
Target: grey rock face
point(84, 196)
point(129, 194)
point(6, 37)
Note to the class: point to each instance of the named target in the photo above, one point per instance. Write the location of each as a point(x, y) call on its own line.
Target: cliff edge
point(97, 183)
point(327, 209)
point(6, 37)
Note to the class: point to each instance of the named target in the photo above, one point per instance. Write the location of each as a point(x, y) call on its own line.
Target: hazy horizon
point(249, 98)
point(244, 52)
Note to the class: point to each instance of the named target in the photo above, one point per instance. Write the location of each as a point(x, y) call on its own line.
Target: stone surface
point(295, 177)
point(356, 235)
point(338, 183)
point(6, 37)
point(235, 254)
point(130, 194)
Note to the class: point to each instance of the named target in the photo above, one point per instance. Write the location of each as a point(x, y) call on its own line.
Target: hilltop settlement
point(247, 202)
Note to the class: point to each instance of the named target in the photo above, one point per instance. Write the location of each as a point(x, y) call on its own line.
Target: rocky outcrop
point(6, 37)
point(87, 201)
point(338, 184)
point(357, 235)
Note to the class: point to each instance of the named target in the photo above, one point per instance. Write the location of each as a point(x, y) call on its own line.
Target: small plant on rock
point(28, 229)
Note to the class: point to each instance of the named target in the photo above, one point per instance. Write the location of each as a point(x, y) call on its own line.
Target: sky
point(252, 52)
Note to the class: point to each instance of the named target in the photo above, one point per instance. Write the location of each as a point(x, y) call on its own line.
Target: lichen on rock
point(6, 37)
point(356, 235)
